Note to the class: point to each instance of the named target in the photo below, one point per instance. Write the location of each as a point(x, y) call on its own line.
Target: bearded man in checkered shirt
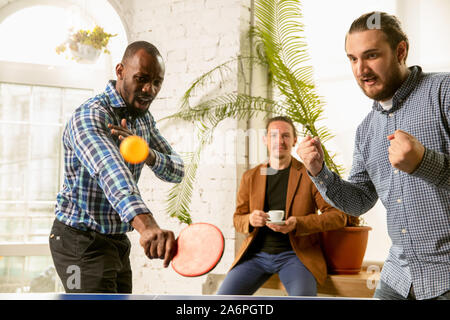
point(401, 156)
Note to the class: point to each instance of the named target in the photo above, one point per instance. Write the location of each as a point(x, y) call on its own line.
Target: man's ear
point(119, 71)
point(402, 52)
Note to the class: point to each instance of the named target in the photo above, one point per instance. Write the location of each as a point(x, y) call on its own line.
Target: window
point(31, 121)
point(37, 43)
point(38, 92)
point(28, 274)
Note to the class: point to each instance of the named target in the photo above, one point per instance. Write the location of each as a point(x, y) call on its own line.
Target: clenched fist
point(405, 151)
point(311, 153)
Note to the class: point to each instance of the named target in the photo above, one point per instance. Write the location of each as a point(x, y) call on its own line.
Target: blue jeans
point(249, 275)
point(385, 292)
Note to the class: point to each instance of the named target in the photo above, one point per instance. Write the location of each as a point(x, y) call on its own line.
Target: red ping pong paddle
point(199, 249)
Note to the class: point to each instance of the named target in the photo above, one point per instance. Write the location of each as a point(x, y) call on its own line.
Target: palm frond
point(280, 33)
point(232, 105)
point(180, 195)
point(216, 77)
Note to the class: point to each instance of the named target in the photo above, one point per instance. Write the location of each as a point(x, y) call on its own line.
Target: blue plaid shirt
point(417, 204)
point(100, 189)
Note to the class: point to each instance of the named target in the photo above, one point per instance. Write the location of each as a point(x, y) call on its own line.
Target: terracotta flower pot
point(344, 249)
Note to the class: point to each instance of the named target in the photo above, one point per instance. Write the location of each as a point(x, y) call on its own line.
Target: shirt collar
point(113, 96)
point(403, 92)
point(116, 102)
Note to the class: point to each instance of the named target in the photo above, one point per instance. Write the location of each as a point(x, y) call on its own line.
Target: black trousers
point(90, 262)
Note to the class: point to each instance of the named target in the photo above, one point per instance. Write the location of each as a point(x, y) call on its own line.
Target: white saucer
point(278, 223)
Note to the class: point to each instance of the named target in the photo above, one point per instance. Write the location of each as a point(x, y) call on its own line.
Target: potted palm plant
point(86, 45)
point(282, 50)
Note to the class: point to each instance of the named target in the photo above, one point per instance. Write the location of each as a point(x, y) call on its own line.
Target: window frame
point(82, 77)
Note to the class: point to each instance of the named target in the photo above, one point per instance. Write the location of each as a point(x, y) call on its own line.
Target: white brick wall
point(193, 36)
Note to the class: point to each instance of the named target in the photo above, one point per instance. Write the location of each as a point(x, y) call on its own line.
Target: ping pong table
point(94, 296)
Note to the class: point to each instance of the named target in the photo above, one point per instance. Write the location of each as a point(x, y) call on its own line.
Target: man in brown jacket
point(292, 248)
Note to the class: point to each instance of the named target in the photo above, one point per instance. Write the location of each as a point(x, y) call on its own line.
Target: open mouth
point(370, 81)
point(144, 101)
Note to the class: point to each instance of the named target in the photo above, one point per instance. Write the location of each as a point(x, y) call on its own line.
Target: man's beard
point(393, 82)
point(136, 112)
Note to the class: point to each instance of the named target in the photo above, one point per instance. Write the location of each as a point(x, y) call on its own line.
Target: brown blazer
point(302, 201)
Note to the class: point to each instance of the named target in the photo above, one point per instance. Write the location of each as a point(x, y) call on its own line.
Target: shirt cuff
point(158, 166)
point(428, 167)
point(323, 179)
point(130, 207)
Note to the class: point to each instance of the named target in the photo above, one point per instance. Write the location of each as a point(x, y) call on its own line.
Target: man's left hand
point(405, 151)
point(122, 132)
point(289, 225)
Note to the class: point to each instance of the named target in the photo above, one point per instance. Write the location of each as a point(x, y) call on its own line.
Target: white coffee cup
point(276, 215)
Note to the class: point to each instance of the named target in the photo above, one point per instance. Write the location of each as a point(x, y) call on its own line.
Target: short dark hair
point(390, 25)
point(284, 119)
point(134, 47)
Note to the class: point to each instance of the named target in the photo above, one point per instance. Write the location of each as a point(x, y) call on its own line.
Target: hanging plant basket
point(84, 53)
point(86, 46)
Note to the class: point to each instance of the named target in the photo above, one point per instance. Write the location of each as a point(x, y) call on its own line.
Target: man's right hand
point(258, 218)
point(311, 153)
point(157, 243)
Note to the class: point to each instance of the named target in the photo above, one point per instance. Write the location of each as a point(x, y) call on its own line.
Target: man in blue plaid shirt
point(401, 156)
point(100, 201)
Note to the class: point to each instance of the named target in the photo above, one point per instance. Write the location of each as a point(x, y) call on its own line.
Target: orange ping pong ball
point(134, 149)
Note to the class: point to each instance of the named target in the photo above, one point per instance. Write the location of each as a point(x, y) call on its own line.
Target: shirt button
point(399, 200)
point(326, 177)
point(396, 171)
point(321, 182)
point(403, 231)
point(391, 115)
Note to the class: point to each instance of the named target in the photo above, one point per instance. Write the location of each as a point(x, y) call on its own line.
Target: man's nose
point(149, 89)
point(280, 140)
point(361, 68)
